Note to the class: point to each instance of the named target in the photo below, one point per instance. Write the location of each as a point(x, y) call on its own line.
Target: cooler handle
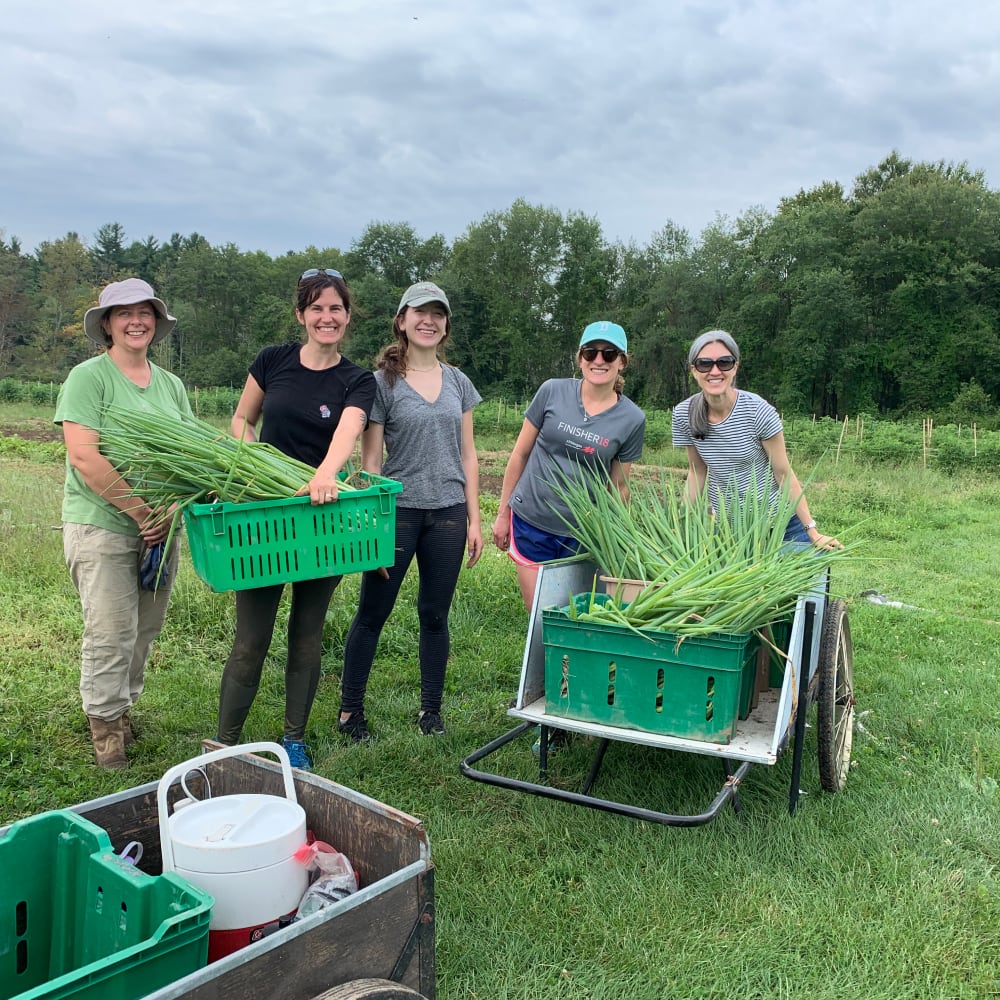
point(179, 770)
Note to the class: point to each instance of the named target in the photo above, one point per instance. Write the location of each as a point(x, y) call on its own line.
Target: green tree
point(142, 260)
point(375, 302)
point(583, 284)
point(802, 320)
point(16, 307)
point(65, 292)
point(927, 250)
point(108, 253)
point(507, 266)
point(972, 404)
point(394, 252)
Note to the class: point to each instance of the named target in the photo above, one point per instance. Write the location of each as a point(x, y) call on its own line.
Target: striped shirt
point(732, 449)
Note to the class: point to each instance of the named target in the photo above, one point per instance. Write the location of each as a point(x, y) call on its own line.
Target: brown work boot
point(109, 742)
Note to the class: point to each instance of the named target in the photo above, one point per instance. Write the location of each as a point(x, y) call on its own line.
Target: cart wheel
point(835, 706)
point(370, 989)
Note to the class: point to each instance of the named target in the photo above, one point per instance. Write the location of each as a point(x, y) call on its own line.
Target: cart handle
point(179, 770)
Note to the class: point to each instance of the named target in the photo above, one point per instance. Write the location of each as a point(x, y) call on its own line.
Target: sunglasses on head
point(314, 272)
point(704, 365)
point(608, 353)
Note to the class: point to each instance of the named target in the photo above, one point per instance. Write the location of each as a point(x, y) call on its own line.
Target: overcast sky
point(278, 126)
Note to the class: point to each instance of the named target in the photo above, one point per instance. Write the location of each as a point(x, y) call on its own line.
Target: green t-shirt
point(88, 388)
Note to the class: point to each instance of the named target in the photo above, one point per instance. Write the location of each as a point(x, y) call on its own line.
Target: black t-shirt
point(302, 407)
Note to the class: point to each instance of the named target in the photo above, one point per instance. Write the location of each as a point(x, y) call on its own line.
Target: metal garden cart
point(818, 667)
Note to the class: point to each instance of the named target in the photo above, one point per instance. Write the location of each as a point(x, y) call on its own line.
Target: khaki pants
point(120, 621)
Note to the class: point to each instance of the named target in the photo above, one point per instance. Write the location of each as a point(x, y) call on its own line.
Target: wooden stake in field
point(975, 441)
point(843, 431)
point(928, 435)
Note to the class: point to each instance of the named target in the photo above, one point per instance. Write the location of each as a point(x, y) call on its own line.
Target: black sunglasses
point(608, 353)
point(314, 272)
point(704, 365)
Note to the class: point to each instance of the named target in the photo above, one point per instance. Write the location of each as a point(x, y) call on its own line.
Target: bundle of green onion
point(167, 460)
point(705, 571)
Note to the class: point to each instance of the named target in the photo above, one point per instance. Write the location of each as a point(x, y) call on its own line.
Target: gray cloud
point(276, 129)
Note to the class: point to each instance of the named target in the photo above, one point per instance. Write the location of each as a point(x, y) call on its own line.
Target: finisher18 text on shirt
point(582, 432)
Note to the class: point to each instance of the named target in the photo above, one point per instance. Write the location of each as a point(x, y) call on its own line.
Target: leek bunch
point(170, 460)
point(705, 571)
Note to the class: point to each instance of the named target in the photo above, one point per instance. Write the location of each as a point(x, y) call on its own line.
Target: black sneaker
point(430, 724)
point(356, 727)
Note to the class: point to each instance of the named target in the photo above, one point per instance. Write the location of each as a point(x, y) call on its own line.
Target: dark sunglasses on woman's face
point(315, 271)
point(704, 365)
point(590, 353)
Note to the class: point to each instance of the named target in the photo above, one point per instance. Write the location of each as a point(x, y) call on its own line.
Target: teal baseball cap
point(610, 333)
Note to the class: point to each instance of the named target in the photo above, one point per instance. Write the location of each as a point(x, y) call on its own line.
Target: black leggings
point(256, 611)
point(438, 539)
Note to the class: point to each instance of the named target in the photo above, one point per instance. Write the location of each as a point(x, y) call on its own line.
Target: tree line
point(884, 299)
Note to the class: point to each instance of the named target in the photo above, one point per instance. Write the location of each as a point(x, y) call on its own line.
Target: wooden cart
point(377, 944)
point(819, 668)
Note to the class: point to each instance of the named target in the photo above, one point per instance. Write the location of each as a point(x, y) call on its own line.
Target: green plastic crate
point(76, 921)
point(781, 634)
point(236, 546)
point(652, 681)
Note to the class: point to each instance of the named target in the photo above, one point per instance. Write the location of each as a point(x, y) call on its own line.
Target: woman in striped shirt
point(734, 438)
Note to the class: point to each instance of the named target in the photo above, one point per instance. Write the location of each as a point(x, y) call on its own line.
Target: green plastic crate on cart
point(647, 680)
point(77, 921)
point(236, 546)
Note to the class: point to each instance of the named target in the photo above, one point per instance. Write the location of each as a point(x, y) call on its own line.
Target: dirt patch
point(491, 469)
point(491, 485)
point(32, 429)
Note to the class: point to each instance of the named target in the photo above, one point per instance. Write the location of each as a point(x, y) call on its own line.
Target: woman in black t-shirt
point(314, 404)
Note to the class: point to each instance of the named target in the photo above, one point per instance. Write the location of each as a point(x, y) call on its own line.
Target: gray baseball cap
point(420, 294)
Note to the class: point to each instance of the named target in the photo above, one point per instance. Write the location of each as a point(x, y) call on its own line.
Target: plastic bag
point(154, 569)
point(336, 878)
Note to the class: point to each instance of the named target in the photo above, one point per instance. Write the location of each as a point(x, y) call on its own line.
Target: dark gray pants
point(256, 611)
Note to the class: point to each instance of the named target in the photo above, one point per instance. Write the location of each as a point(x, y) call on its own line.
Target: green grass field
point(887, 890)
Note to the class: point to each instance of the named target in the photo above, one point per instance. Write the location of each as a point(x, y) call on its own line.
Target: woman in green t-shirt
point(107, 531)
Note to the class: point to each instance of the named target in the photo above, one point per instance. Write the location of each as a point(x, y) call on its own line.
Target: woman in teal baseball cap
point(570, 423)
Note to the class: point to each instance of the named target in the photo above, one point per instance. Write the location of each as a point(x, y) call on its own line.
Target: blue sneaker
point(298, 755)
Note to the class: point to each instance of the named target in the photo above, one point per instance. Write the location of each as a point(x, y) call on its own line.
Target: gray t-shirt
point(423, 441)
point(732, 450)
point(569, 437)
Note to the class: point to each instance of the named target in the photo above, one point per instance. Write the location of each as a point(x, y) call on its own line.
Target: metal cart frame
point(820, 638)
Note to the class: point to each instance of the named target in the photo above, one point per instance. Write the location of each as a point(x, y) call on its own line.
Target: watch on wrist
point(810, 525)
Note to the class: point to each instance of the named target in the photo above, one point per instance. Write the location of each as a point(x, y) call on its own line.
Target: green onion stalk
point(704, 571)
point(169, 460)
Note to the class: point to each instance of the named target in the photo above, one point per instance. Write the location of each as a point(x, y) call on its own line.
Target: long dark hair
point(392, 358)
point(698, 404)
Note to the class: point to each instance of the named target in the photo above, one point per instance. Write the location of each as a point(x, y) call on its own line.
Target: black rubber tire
point(835, 702)
point(370, 989)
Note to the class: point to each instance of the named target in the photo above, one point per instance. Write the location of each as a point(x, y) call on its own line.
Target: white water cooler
point(240, 848)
